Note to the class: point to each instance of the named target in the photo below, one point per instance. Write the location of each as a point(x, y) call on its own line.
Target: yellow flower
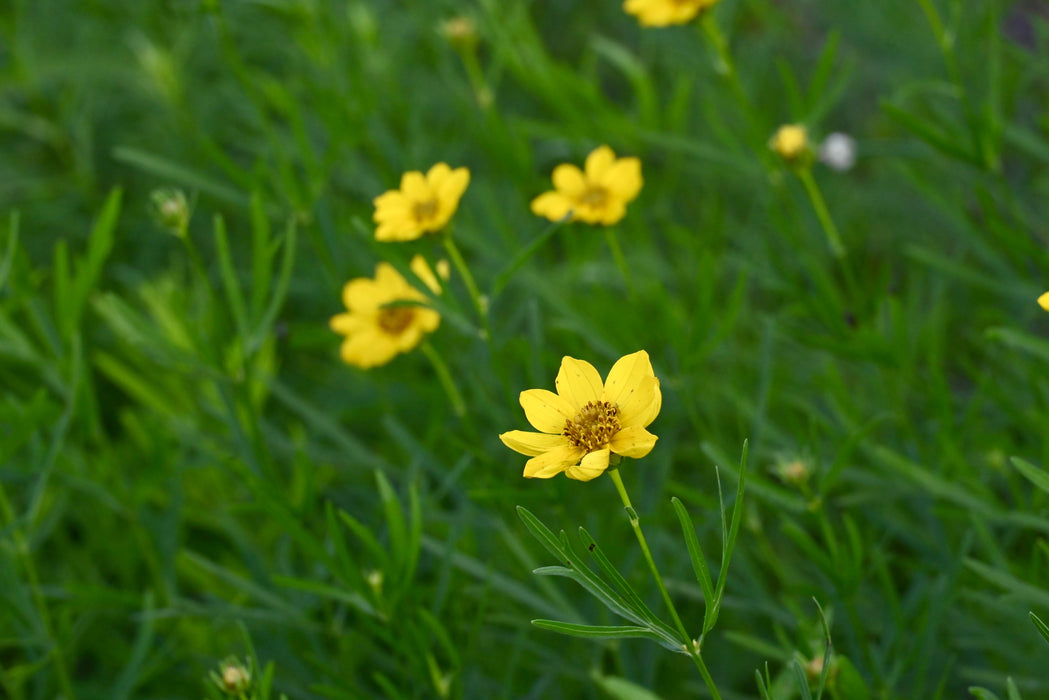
point(586, 422)
point(424, 204)
point(790, 141)
point(1043, 301)
point(376, 326)
point(597, 196)
point(660, 13)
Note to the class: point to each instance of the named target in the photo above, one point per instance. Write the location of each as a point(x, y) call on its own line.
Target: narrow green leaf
point(351, 598)
point(12, 247)
point(280, 290)
point(89, 268)
point(598, 631)
point(801, 681)
point(395, 524)
point(1042, 628)
point(695, 552)
point(132, 674)
point(1036, 476)
point(234, 294)
point(542, 533)
point(261, 256)
point(622, 689)
point(730, 541)
point(175, 172)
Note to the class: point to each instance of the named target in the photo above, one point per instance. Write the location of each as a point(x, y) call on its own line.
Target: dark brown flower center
point(594, 196)
point(424, 211)
point(593, 427)
point(393, 320)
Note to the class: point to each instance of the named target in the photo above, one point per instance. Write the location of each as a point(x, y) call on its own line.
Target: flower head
point(1043, 301)
point(233, 678)
point(838, 151)
point(790, 141)
point(587, 422)
point(597, 195)
point(424, 204)
point(661, 13)
point(378, 324)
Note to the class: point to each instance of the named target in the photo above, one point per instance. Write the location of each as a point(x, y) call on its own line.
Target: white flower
point(838, 151)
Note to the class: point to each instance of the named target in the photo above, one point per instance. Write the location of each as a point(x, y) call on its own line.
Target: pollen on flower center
point(593, 427)
point(394, 319)
point(423, 211)
point(594, 196)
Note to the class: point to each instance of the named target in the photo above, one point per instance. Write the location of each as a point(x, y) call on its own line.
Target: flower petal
point(422, 270)
point(545, 410)
point(552, 205)
point(578, 383)
point(415, 187)
point(634, 442)
point(592, 466)
point(363, 294)
point(569, 180)
point(552, 463)
point(451, 185)
point(345, 324)
point(598, 162)
point(625, 377)
point(367, 349)
point(532, 444)
point(642, 407)
point(623, 179)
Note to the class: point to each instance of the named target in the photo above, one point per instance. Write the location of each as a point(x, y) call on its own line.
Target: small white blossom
point(838, 151)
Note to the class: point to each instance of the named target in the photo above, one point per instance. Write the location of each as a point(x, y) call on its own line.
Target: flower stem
point(445, 377)
point(816, 197)
point(617, 252)
point(479, 300)
point(689, 646)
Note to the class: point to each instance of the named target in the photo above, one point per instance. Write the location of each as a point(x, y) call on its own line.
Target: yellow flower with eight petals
point(1043, 301)
point(597, 195)
point(378, 324)
point(661, 13)
point(587, 422)
point(423, 204)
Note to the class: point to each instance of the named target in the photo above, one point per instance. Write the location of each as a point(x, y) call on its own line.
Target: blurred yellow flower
point(661, 13)
point(1043, 301)
point(790, 141)
point(376, 325)
point(597, 196)
point(423, 204)
point(587, 421)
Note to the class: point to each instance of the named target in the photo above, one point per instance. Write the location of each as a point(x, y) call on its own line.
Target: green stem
point(813, 190)
point(690, 647)
point(445, 377)
point(479, 300)
point(22, 552)
point(617, 252)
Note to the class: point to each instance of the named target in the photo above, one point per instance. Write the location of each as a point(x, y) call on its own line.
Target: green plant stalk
point(816, 197)
point(726, 66)
point(22, 550)
point(480, 303)
point(690, 648)
point(445, 377)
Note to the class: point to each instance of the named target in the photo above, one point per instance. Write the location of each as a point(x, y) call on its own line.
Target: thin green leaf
point(599, 631)
point(1036, 476)
point(1042, 628)
point(695, 552)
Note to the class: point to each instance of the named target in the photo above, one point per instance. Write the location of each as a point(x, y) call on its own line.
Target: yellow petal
point(578, 383)
point(625, 376)
point(415, 187)
point(391, 205)
point(345, 324)
point(545, 410)
point(552, 463)
point(422, 270)
point(1043, 301)
point(592, 466)
point(634, 442)
point(532, 444)
point(623, 179)
point(367, 349)
point(640, 406)
point(552, 205)
point(363, 294)
point(611, 213)
point(569, 180)
point(450, 187)
point(599, 160)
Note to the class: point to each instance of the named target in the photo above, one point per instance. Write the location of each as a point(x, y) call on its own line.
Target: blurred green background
point(185, 464)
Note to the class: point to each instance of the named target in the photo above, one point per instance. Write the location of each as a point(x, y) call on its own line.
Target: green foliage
point(188, 473)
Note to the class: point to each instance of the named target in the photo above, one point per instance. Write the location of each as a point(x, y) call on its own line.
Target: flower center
point(394, 319)
point(594, 196)
point(424, 211)
point(593, 427)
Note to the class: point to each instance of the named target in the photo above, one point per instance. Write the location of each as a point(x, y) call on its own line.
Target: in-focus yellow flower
point(587, 421)
point(598, 195)
point(661, 13)
point(424, 204)
point(790, 141)
point(1043, 301)
point(378, 325)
